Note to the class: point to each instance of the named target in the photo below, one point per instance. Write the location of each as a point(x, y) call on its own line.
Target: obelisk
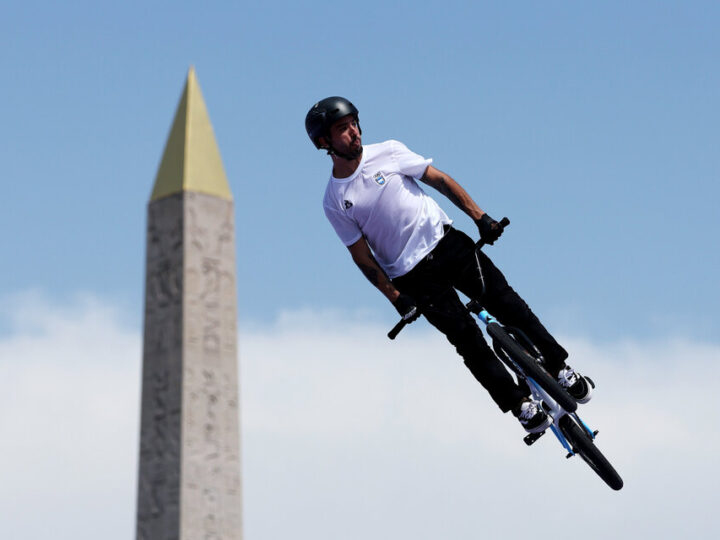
point(189, 467)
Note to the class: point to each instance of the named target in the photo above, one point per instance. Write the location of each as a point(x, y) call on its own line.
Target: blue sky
point(593, 126)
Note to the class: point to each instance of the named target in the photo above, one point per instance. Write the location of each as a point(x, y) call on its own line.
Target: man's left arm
point(444, 183)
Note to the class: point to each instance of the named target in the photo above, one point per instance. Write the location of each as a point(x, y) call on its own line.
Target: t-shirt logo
point(348, 204)
point(379, 178)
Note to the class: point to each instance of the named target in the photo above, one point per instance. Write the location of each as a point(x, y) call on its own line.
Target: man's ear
point(322, 141)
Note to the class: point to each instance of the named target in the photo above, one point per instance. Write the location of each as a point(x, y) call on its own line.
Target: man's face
point(345, 136)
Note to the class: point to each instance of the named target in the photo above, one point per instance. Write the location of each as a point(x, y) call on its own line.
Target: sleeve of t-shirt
point(409, 163)
point(348, 231)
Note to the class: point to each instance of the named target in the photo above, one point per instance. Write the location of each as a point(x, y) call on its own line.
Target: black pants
point(432, 283)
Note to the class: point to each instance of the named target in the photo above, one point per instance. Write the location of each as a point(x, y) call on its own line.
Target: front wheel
point(583, 445)
point(531, 368)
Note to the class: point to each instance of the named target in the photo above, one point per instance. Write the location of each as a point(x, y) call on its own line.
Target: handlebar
point(392, 334)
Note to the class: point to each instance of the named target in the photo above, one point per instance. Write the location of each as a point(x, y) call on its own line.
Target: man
point(405, 245)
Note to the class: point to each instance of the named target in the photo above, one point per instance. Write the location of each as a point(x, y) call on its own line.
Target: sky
point(593, 127)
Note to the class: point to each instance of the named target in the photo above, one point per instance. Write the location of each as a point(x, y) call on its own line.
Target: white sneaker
point(576, 385)
point(532, 417)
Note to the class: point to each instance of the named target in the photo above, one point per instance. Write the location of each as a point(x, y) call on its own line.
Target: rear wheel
point(583, 445)
point(531, 367)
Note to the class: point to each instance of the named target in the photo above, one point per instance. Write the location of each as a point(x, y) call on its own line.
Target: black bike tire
point(583, 445)
point(531, 368)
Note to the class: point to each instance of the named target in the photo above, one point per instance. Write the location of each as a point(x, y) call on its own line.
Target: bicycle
point(523, 359)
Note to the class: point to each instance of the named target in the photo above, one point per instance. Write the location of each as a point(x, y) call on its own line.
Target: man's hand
point(407, 308)
point(490, 230)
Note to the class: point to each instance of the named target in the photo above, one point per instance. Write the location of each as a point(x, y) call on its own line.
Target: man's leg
point(505, 304)
point(510, 309)
point(445, 311)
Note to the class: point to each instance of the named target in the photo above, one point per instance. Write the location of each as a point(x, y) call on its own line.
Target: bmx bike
point(525, 361)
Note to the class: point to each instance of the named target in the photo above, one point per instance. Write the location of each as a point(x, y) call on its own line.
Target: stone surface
point(158, 510)
point(210, 435)
point(189, 476)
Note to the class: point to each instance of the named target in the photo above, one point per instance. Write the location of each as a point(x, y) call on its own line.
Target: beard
point(352, 151)
point(355, 148)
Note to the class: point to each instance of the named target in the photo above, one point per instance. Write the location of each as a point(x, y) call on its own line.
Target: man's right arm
point(364, 259)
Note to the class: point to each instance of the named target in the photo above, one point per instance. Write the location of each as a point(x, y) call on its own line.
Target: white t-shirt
point(382, 202)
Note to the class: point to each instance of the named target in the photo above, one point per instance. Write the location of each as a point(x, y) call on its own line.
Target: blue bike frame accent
point(486, 317)
point(562, 439)
point(587, 428)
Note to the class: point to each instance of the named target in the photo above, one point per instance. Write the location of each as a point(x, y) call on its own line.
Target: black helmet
point(324, 114)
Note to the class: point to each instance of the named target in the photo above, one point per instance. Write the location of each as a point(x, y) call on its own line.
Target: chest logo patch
point(348, 204)
point(379, 179)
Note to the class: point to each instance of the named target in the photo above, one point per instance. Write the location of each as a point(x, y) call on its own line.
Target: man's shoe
point(532, 416)
point(576, 385)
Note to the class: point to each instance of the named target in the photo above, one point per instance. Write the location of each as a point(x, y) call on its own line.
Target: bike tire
point(583, 445)
point(531, 367)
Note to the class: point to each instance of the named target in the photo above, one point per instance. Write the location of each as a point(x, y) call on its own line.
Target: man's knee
point(470, 344)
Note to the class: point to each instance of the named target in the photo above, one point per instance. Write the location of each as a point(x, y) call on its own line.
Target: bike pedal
point(532, 437)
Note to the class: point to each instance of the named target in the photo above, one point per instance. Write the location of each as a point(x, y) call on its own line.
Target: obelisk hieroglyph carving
point(189, 469)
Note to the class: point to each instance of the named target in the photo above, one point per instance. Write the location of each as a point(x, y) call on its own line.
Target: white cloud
point(68, 417)
point(349, 435)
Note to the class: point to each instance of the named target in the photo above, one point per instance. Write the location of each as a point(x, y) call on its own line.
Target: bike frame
point(549, 404)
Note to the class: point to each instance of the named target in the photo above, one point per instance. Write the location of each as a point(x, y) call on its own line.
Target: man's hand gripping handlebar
point(412, 314)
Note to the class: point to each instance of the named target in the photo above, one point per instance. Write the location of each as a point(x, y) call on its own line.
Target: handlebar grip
point(504, 222)
point(392, 334)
